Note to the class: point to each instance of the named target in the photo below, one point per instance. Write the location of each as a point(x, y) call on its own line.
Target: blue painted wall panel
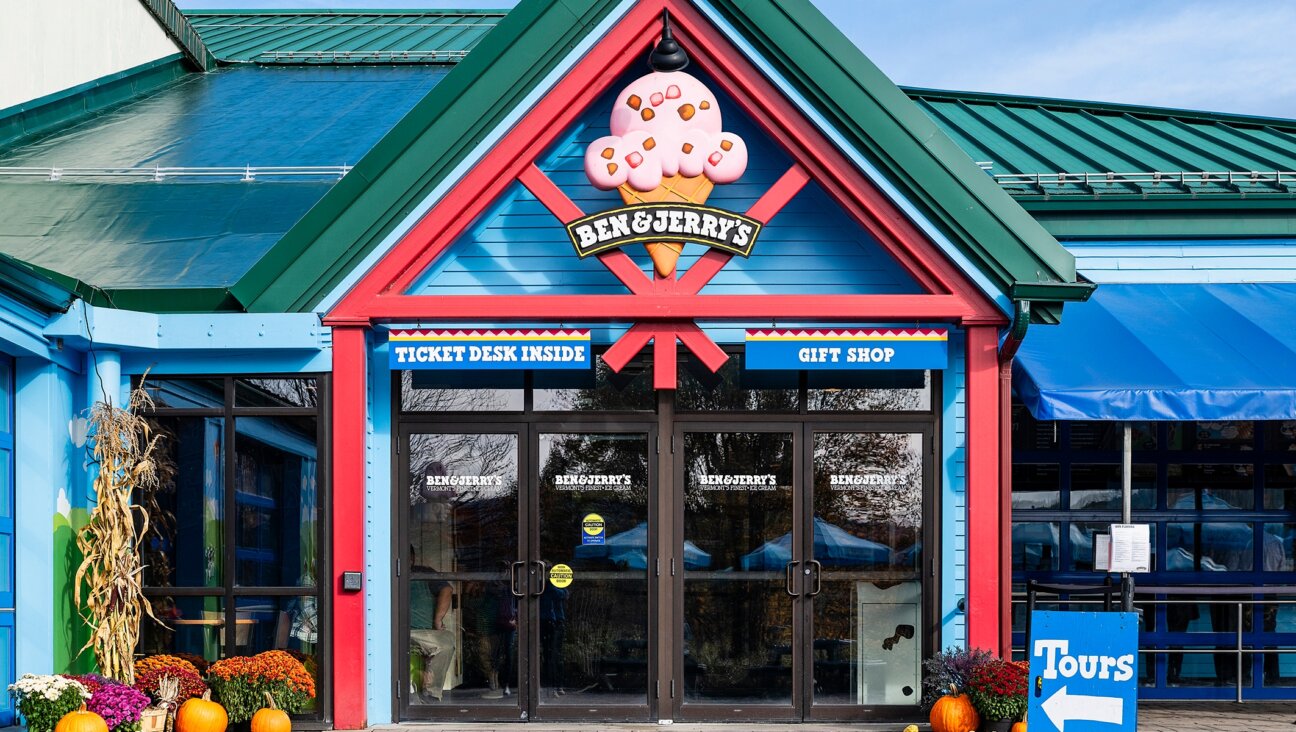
point(378, 532)
point(1179, 261)
point(953, 494)
point(517, 247)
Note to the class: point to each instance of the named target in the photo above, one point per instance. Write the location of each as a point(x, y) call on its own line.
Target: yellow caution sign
point(593, 529)
point(560, 575)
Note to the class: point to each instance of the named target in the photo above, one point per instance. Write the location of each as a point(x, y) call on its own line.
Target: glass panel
point(276, 393)
point(1029, 433)
point(463, 518)
point(1209, 547)
point(1280, 436)
point(1280, 487)
point(868, 391)
point(283, 623)
point(1081, 534)
point(594, 496)
point(461, 391)
point(1036, 486)
point(6, 397)
point(1278, 554)
point(6, 564)
point(186, 393)
point(6, 484)
point(734, 388)
point(189, 503)
point(193, 626)
point(1035, 546)
point(1185, 619)
point(868, 515)
point(1111, 436)
point(276, 501)
point(598, 389)
point(1223, 435)
point(1098, 487)
point(1279, 668)
point(738, 528)
point(1210, 487)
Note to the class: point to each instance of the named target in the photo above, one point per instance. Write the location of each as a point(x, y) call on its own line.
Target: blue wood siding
point(517, 247)
point(7, 545)
point(1176, 261)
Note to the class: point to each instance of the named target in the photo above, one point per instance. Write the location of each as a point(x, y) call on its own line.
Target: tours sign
point(489, 349)
point(848, 349)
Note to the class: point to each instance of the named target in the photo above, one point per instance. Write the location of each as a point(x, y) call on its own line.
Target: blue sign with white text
point(847, 349)
point(496, 350)
point(1083, 672)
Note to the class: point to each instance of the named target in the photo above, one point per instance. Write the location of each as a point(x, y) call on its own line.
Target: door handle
point(534, 564)
point(513, 579)
point(788, 569)
point(818, 577)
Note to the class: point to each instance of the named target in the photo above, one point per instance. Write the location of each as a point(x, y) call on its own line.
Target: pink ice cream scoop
point(663, 124)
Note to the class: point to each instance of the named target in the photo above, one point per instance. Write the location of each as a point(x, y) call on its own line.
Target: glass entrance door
point(802, 559)
point(739, 636)
point(524, 587)
point(462, 576)
point(865, 553)
point(591, 615)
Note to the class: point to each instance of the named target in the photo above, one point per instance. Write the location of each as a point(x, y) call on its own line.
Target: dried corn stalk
point(113, 602)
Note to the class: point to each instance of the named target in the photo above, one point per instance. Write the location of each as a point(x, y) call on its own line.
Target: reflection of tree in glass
point(871, 400)
point(561, 511)
point(888, 512)
point(479, 399)
point(700, 391)
point(162, 522)
point(290, 392)
point(629, 390)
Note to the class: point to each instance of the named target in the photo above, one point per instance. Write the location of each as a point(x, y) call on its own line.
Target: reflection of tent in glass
point(630, 549)
point(833, 547)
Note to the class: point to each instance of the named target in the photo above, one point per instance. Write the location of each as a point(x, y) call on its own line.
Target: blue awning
point(1165, 352)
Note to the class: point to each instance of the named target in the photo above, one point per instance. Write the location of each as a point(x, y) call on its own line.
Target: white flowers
point(50, 687)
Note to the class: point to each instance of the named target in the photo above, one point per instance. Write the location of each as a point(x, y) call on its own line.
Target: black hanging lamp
point(667, 55)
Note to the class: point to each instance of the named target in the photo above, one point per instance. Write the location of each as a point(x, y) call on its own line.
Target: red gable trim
point(379, 296)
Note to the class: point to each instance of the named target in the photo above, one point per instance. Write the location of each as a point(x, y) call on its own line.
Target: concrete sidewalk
point(1153, 717)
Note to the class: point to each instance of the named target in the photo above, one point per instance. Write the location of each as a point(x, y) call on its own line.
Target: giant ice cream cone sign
point(667, 152)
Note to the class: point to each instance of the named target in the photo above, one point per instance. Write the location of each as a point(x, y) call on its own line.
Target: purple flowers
point(117, 704)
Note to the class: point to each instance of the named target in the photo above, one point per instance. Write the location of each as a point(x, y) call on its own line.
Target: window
point(1219, 496)
point(236, 543)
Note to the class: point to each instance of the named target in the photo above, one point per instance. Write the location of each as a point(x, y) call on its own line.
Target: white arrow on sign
point(1063, 707)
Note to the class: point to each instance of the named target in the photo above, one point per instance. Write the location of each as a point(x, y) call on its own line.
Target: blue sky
point(1198, 54)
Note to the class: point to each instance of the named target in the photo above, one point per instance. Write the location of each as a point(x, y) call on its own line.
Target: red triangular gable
point(663, 307)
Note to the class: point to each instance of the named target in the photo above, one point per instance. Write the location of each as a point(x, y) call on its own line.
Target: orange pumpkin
point(271, 719)
point(1019, 726)
point(954, 713)
point(201, 715)
point(81, 721)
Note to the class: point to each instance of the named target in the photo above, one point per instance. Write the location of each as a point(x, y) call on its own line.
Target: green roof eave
point(1006, 243)
point(34, 286)
point(474, 98)
point(1002, 239)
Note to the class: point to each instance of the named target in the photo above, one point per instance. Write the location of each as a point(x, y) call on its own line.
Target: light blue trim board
point(378, 533)
point(953, 562)
point(226, 361)
point(483, 148)
point(874, 175)
point(42, 451)
point(128, 329)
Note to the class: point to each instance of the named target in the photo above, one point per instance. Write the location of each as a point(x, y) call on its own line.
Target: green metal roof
point(1036, 147)
point(33, 287)
point(866, 107)
point(335, 36)
point(180, 192)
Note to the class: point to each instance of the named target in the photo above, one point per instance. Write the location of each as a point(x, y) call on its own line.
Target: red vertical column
point(985, 544)
point(350, 356)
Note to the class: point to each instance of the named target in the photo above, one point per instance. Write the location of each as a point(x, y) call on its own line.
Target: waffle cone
point(675, 189)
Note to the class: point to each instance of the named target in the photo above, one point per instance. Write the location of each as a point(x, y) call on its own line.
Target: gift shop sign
point(844, 349)
point(489, 349)
point(664, 222)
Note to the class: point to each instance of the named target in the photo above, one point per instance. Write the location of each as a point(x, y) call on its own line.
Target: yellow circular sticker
point(593, 524)
point(560, 575)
